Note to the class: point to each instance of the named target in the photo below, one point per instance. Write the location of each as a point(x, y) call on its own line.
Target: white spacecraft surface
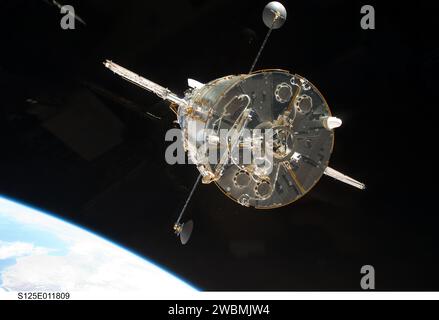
point(279, 118)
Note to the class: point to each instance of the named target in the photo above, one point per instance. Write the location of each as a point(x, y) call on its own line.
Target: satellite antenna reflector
point(184, 231)
point(274, 15)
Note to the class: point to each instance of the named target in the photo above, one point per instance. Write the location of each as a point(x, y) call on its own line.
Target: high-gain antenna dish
point(274, 15)
point(184, 231)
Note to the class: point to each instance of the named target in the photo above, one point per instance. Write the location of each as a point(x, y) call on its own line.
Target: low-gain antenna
point(274, 17)
point(184, 230)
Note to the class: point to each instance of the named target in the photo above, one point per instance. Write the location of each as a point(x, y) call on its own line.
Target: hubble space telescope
point(287, 106)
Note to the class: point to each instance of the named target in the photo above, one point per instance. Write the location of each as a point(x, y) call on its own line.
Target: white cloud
point(91, 264)
point(19, 249)
point(91, 268)
point(31, 217)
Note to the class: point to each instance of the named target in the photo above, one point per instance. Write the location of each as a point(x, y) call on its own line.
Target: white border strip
point(265, 296)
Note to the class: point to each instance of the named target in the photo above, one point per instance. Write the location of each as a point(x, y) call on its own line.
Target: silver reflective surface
point(286, 106)
point(274, 15)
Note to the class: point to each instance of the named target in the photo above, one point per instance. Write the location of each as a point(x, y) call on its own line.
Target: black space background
point(382, 83)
